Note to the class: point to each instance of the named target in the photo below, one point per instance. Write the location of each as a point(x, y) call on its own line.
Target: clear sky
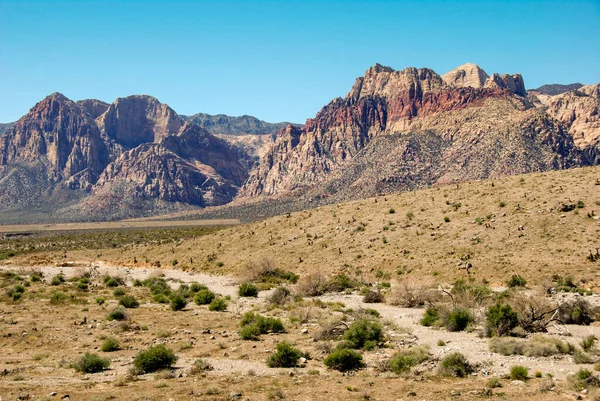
point(276, 60)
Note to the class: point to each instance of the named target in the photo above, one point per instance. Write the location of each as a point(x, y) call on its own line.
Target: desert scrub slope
point(533, 225)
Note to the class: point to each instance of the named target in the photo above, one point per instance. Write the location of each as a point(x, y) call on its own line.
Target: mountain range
point(393, 131)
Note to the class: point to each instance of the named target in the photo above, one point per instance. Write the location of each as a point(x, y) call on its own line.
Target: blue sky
point(276, 60)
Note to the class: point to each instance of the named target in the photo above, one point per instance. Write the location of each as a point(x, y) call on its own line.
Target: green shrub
point(90, 363)
point(580, 357)
point(362, 331)
point(458, 319)
point(128, 301)
point(178, 302)
point(535, 346)
point(204, 297)
point(430, 317)
point(501, 319)
point(100, 300)
point(583, 379)
point(111, 344)
point(196, 287)
point(519, 372)
point(578, 311)
point(117, 314)
point(153, 359)
point(58, 279)
point(402, 362)
point(36, 277)
point(455, 364)
point(280, 296)
point(118, 292)
point(110, 281)
point(344, 360)
point(340, 282)
point(83, 284)
point(286, 356)
point(446, 219)
point(247, 289)
point(253, 325)
point(58, 298)
point(217, 305)
point(516, 281)
point(161, 298)
point(588, 343)
point(494, 382)
point(16, 292)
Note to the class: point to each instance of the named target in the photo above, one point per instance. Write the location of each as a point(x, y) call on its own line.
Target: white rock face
point(466, 75)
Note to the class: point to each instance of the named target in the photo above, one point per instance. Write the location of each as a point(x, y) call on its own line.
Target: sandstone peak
point(468, 74)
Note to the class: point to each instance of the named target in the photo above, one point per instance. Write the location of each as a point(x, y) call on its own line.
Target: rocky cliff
point(99, 150)
point(398, 130)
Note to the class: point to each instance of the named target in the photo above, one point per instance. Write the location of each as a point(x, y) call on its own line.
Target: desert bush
point(286, 356)
point(344, 360)
point(113, 281)
point(535, 311)
point(217, 305)
point(364, 333)
point(494, 382)
point(501, 319)
point(280, 296)
point(373, 297)
point(578, 311)
point(199, 366)
point(266, 271)
point(403, 361)
point(312, 285)
point(204, 297)
point(58, 279)
point(111, 344)
point(178, 302)
point(196, 287)
point(100, 300)
point(118, 292)
point(117, 314)
point(458, 319)
point(516, 281)
point(153, 359)
point(90, 363)
point(58, 298)
point(247, 289)
point(455, 364)
point(469, 294)
point(341, 282)
point(430, 317)
point(588, 343)
point(36, 276)
point(580, 357)
point(128, 301)
point(583, 379)
point(15, 292)
point(410, 293)
point(253, 325)
point(535, 346)
point(519, 372)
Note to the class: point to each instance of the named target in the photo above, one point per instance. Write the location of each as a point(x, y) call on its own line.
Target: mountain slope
point(135, 150)
point(434, 132)
point(556, 89)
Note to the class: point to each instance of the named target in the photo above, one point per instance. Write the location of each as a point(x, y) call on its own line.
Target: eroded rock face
point(468, 125)
point(59, 134)
point(467, 75)
point(138, 119)
point(579, 111)
point(136, 143)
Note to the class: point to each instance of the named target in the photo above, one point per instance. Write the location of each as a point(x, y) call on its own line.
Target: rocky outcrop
point(138, 119)
point(579, 111)
point(135, 147)
point(467, 75)
point(61, 136)
point(396, 130)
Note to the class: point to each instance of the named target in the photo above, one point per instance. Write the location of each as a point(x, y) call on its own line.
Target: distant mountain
point(556, 89)
point(226, 125)
point(401, 130)
point(94, 160)
point(5, 127)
